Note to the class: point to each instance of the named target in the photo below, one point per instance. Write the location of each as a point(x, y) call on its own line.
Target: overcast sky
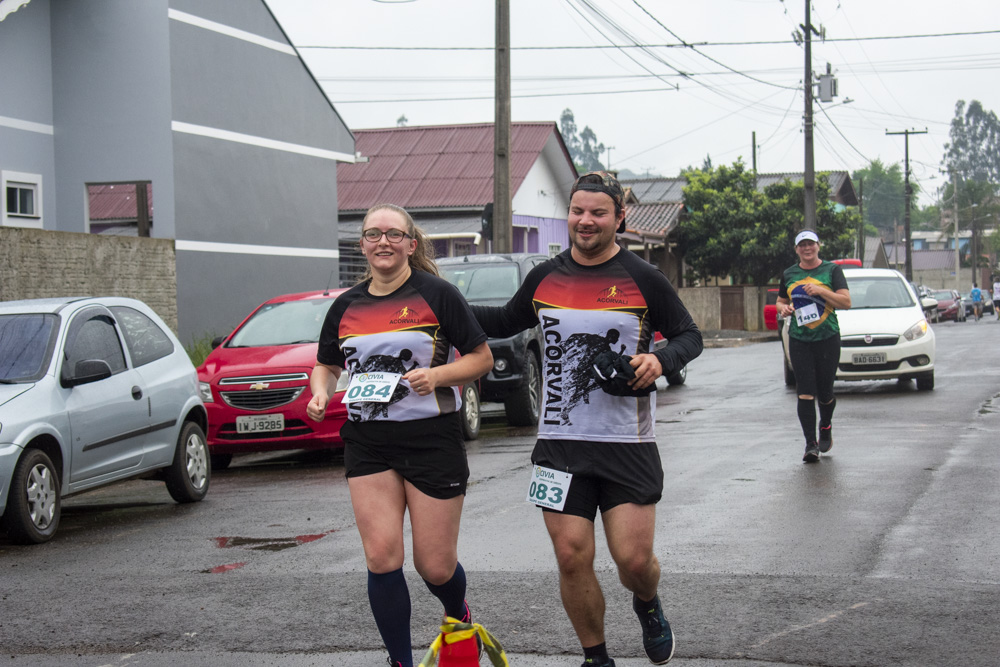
point(662, 108)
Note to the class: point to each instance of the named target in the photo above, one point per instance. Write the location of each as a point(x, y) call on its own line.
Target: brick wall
point(35, 263)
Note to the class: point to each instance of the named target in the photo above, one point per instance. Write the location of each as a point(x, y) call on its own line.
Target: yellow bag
point(454, 631)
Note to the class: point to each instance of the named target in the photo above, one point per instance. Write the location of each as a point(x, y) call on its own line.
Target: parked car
point(884, 335)
point(771, 309)
point(92, 391)
point(927, 301)
point(255, 383)
point(516, 378)
point(987, 303)
point(950, 305)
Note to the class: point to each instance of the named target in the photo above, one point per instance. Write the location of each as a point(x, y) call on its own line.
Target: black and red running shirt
point(418, 326)
point(585, 310)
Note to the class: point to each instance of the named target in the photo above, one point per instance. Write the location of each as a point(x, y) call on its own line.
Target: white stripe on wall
point(27, 125)
point(244, 249)
point(251, 140)
point(224, 29)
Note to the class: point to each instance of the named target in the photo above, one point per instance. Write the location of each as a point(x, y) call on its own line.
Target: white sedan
point(884, 335)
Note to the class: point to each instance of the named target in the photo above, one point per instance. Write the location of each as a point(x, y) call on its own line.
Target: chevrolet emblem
point(258, 386)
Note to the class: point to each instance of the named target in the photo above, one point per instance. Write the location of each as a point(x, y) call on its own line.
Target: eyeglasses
point(375, 235)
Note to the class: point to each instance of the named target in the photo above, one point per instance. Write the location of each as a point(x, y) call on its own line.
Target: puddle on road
point(268, 543)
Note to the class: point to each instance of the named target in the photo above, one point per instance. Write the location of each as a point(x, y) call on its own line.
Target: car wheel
point(33, 505)
point(789, 373)
point(470, 413)
point(925, 382)
point(524, 407)
point(189, 475)
point(678, 377)
point(221, 461)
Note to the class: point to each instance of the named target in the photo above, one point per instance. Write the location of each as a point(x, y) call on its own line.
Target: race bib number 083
point(548, 488)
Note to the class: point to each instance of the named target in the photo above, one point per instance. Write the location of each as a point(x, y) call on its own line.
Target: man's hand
point(647, 368)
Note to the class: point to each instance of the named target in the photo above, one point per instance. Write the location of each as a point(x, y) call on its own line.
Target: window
point(554, 249)
point(22, 199)
point(95, 338)
point(145, 340)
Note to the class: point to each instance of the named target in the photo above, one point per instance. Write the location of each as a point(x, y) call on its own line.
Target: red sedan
point(255, 384)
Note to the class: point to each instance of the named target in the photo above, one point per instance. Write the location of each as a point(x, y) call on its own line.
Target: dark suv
point(516, 379)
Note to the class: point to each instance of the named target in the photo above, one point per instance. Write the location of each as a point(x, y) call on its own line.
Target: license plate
point(260, 423)
point(869, 358)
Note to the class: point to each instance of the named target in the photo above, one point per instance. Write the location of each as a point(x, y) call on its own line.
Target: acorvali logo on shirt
point(613, 295)
point(404, 315)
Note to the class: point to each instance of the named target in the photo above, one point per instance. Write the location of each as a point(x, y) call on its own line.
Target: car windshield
point(879, 292)
point(943, 295)
point(285, 323)
point(484, 281)
point(26, 342)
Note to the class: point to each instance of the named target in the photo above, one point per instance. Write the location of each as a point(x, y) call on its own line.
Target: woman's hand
point(316, 409)
point(422, 380)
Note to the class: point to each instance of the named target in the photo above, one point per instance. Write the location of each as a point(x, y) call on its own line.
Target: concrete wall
point(35, 263)
point(705, 306)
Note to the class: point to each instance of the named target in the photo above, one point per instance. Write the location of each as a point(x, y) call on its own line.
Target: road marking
point(797, 628)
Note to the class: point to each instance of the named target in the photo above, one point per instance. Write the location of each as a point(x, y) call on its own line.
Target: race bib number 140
point(548, 488)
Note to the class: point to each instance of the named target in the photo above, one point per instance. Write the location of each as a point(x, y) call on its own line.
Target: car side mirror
point(87, 371)
point(217, 341)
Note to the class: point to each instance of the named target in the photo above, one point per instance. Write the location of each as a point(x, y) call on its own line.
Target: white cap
point(806, 235)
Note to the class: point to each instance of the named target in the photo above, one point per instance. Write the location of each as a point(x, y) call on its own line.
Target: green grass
point(199, 348)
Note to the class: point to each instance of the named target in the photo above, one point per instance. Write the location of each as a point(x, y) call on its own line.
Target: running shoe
point(589, 662)
point(825, 438)
point(812, 453)
point(393, 663)
point(468, 619)
point(657, 637)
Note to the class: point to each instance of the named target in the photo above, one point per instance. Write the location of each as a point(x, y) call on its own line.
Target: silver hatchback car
point(92, 391)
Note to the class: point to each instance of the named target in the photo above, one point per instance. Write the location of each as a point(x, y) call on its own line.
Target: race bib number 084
point(548, 488)
point(371, 387)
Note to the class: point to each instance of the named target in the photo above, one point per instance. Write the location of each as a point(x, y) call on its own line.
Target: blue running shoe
point(657, 637)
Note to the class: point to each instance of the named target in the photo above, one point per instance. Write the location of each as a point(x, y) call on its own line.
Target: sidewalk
point(736, 338)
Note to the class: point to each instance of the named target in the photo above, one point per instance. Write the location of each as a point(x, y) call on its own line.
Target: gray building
point(198, 111)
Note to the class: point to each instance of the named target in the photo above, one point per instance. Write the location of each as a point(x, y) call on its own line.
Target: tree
point(973, 154)
point(584, 148)
point(884, 195)
point(733, 228)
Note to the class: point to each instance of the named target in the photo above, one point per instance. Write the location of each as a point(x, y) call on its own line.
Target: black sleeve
point(838, 279)
point(458, 323)
point(517, 314)
point(783, 288)
point(329, 352)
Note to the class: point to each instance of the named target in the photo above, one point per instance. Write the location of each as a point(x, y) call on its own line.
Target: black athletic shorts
point(605, 474)
point(428, 453)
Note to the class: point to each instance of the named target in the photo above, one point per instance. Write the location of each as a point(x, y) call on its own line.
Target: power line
point(490, 97)
point(641, 46)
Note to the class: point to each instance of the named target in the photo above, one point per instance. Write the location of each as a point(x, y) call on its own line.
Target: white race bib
point(806, 314)
point(548, 488)
point(371, 387)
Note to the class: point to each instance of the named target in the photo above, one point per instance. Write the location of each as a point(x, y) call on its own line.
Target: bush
point(199, 349)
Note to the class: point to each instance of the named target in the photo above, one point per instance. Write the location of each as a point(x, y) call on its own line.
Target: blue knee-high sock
point(390, 601)
point(451, 593)
point(807, 417)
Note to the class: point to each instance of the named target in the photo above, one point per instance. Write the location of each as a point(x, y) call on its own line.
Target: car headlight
point(205, 389)
point(916, 331)
point(345, 379)
point(500, 365)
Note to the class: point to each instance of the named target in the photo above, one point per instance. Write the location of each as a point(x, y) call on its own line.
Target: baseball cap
point(806, 235)
point(602, 181)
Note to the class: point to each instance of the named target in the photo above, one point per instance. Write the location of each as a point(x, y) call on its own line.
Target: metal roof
point(436, 167)
point(116, 202)
point(657, 189)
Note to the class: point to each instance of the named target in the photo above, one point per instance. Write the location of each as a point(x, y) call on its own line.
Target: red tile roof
point(116, 202)
point(435, 167)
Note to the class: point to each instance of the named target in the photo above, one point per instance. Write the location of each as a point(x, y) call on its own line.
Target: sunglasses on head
point(375, 235)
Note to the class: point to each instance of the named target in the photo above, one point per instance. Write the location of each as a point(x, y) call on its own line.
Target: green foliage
point(199, 348)
point(883, 194)
point(973, 154)
point(732, 228)
point(583, 146)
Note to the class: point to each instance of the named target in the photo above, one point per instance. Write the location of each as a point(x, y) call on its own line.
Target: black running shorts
point(428, 453)
point(605, 474)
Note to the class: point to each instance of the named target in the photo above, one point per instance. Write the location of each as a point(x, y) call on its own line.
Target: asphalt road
point(886, 552)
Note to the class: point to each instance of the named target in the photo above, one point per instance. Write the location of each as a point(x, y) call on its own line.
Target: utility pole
point(907, 194)
point(608, 149)
point(753, 149)
point(954, 205)
point(502, 215)
point(861, 223)
point(809, 181)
